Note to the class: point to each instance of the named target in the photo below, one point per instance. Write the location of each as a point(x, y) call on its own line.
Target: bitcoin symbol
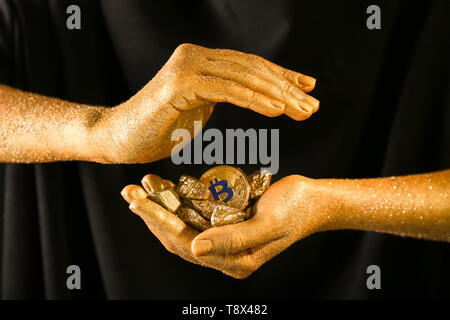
point(228, 181)
point(225, 188)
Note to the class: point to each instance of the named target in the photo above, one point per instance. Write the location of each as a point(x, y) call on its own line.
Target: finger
point(240, 265)
point(282, 76)
point(287, 77)
point(152, 183)
point(133, 192)
point(220, 90)
point(304, 82)
point(262, 79)
point(156, 215)
point(173, 234)
point(234, 238)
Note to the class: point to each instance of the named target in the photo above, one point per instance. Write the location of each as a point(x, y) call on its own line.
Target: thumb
point(234, 238)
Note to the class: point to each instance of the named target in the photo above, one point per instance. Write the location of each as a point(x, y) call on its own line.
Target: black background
point(385, 110)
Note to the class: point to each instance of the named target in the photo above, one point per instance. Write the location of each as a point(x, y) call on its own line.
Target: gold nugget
point(204, 207)
point(224, 214)
point(167, 198)
point(259, 182)
point(193, 218)
point(191, 188)
point(236, 195)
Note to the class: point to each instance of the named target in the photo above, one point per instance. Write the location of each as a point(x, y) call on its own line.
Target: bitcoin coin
point(228, 185)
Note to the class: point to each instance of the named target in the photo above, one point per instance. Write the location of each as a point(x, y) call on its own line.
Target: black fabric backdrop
point(385, 110)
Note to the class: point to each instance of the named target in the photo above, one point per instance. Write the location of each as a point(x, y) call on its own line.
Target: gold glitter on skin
point(416, 205)
point(36, 128)
point(295, 207)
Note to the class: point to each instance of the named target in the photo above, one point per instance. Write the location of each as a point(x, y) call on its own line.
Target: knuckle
point(184, 48)
point(238, 242)
point(253, 61)
point(286, 73)
point(181, 229)
point(289, 75)
point(234, 243)
point(184, 57)
point(286, 88)
point(255, 58)
point(164, 221)
point(227, 244)
point(251, 96)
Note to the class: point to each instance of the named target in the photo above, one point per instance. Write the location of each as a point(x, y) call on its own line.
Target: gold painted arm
point(415, 205)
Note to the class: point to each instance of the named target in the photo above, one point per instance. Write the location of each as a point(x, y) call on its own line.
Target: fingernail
point(316, 107)
point(133, 206)
point(202, 247)
point(306, 81)
point(278, 104)
point(126, 197)
point(305, 107)
point(152, 183)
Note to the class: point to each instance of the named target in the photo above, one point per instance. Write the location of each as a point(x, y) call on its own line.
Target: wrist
point(314, 203)
point(130, 132)
point(349, 202)
point(98, 142)
point(332, 204)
